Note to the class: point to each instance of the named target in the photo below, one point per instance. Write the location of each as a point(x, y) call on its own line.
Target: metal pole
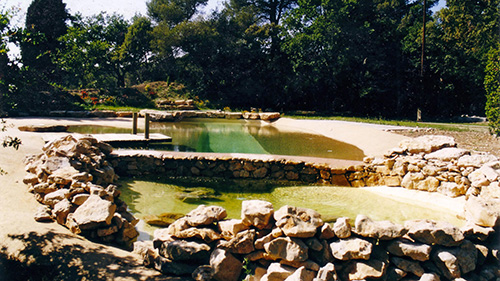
point(146, 126)
point(134, 123)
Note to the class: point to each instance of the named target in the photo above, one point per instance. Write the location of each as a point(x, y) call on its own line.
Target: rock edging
point(294, 244)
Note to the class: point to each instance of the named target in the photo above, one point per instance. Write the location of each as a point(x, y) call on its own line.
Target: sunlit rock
point(431, 232)
point(256, 213)
point(298, 222)
point(351, 248)
point(205, 215)
point(383, 230)
point(290, 249)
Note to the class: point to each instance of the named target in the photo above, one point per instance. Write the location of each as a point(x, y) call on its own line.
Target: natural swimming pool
point(231, 136)
point(238, 136)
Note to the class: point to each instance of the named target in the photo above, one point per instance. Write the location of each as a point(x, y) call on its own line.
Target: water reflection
point(238, 136)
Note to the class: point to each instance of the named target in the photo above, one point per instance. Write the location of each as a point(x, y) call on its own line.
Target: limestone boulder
point(351, 248)
point(63, 176)
point(269, 116)
point(430, 277)
point(298, 222)
point(43, 214)
point(452, 189)
point(226, 267)
point(327, 273)
point(383, 230)
point(427, 144)
point(413, 250)
point(431, 232)
point(277, 271)
point(256, 213)
point(475, 160)
point(301, 274)
point(241, 243)
point(206, 234)
point(492, 191)
point(53, 164)
point(60, 147)
point(326, 232)
point(342, 227)
point(483, 212)
point(475, 232)
point(290, 249)
point(447, 154)
point(61, 211)
point(230, 228)
point(362, 270)
point(94, 212)
point(205, 215)
point(181, 250)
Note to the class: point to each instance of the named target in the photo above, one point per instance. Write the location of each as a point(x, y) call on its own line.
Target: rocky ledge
point(295, 244)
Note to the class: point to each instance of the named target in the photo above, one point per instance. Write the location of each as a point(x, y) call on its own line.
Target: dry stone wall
point(170, 115)
point(295, 244)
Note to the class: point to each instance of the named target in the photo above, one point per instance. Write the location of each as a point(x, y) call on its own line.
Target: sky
point(127, 8)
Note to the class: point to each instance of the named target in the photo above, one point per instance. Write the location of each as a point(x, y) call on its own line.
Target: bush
point(492, 87)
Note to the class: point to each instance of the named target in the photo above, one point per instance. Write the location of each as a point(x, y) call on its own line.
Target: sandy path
point(369, 138)
point(60, 251)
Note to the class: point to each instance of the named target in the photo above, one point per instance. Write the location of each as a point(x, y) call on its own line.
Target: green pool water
point(237, 136)
point(154, 198)
point(233, 136)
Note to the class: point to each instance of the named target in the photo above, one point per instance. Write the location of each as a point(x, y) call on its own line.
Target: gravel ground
point(471, 140)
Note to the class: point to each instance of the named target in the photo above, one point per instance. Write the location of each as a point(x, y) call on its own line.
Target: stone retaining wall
point(169, 115)
point(167, 164)
point(293, 244)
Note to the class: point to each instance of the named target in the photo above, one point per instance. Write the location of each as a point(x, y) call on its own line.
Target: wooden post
point(134, 123)
point(146, 126)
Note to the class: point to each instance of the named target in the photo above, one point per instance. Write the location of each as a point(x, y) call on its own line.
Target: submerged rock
point(194, 195)
point(164, 219)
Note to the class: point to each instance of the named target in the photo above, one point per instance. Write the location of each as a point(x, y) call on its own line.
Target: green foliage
point(173, 12)
point(492, 86)
point(45, 22)
point(92, 55)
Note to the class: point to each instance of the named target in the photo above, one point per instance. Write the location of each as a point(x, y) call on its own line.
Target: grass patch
point(446, 126)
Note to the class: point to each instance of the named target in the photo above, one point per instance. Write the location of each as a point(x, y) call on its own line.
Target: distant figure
point(419, 115)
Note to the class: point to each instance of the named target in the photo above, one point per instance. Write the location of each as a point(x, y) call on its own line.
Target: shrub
point(492, 87)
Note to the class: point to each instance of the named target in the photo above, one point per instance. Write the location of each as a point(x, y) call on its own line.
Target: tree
point(91, 56)
point(466, 31)
point(136, 49)
point(492, 87)
point(45, 23)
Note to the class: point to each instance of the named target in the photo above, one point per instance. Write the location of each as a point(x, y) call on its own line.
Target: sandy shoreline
point(19, 231)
